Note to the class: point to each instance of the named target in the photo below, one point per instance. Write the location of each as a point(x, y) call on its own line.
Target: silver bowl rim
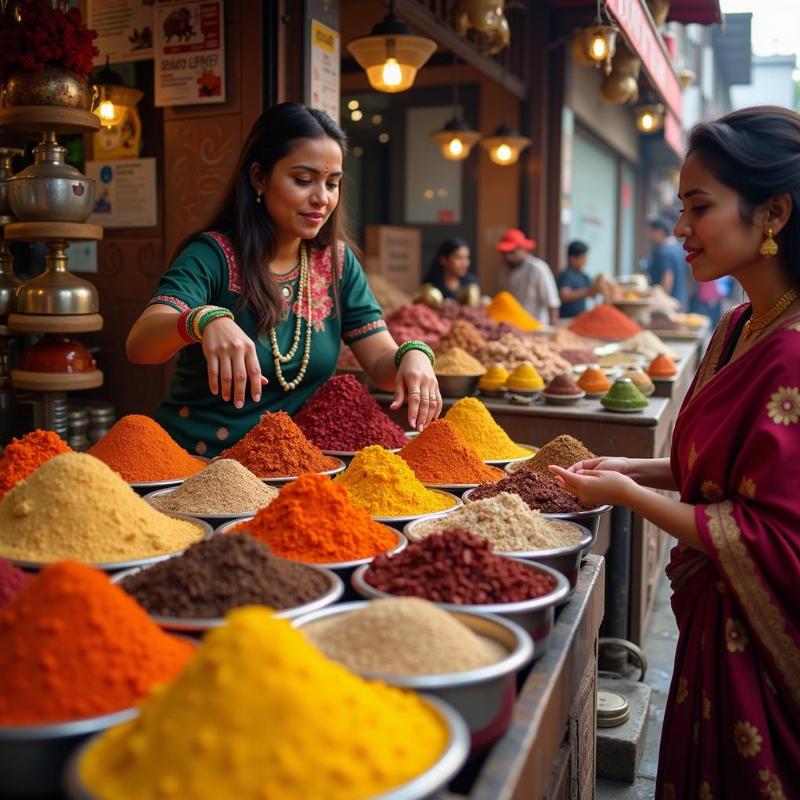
point(437, 775)
point(586, 540)
point(563, 399)
point(58, 730)
point(114, 566)
point(196, 514)
point(156, 484)
point(587, 512)
point(402, 543)
point(342, 454)
point(408, 517)
point(501, 462)
point(281, 480)
point(199, 624)
point(515, 659)
point(539, 603)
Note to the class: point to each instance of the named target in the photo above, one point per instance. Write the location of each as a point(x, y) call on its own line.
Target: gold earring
point(769, 247)
point(258, 197)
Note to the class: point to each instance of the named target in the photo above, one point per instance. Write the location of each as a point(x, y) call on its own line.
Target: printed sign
point(124, 193)
point(324, 82)
point(124, 29)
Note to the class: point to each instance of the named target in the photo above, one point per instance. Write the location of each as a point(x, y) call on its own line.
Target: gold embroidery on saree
point(736, 636)
point(747, 738)
point(783, 407)
point(706, 706)
point(692, 456)
point(773, 790)
point(683, 689)
point(747, 488)
point(705, 791)
point(765, 618)
point(711, 491)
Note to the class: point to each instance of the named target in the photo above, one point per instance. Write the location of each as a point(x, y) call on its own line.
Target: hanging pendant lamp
point(649, 117)
point(456, 139)
point(600, 40)
point(505, 145)
point(115, 98)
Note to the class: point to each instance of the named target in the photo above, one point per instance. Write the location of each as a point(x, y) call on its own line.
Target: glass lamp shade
point(114, 102)
point(650, 117)
point(505, 145)
point(601, 42)
point(456, 139)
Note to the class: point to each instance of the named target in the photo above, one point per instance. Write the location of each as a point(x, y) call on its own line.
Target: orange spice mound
point(313, 520)
point(74, 645)
point(140, 450)
point(24, 456)
point(276, 447)
point(662, 366)
point(440, 455)
point(604, 322)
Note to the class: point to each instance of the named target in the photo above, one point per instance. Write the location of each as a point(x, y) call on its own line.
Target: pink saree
point(732, 727)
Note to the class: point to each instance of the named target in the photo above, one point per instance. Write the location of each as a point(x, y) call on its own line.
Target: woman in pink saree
point(732, 725)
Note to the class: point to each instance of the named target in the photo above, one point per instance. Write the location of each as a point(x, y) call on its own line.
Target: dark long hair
point(756, 152)
point(247, 225)
point(435, 273)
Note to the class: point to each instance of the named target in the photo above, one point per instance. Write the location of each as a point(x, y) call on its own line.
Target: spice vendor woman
point(732, 724)
point(259, 303)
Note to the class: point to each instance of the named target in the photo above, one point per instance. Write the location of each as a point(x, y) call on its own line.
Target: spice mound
point(383, 484)
point(276, 447)
point(647, 344)
point(465, 335)
point(662, 366)
point(540, 493)
point(641, 380)
point(494, 378)
point(403, 636)
point(23, 456)
point(457, 567)
point(440, 455)
point(223, 487)
point(594, 380)
point(140, 450)
point(11, 581)
point(458, 362)
point(563, 385)
point(344, 416)
point(604, 321)
point(73, 645)
point(313, 519)
point(225, 572)
point(506, 522)
point(506, 308)
point(340, 737)
point(75, 507)
point(563, 451)
point(475, 424)
point(623, 395)
point(524, 378)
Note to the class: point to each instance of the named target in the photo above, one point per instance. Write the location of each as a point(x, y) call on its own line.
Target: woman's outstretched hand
point(416, 382)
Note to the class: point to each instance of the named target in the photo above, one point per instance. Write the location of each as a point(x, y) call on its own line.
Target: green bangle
point(190, 323)
point(210, 315)
point(413, 344)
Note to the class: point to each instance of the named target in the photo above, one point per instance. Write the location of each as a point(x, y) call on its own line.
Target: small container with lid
point(594, 381)
point(525, 380)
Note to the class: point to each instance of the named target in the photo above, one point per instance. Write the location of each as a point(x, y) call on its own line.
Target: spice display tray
point(198, 626)
point(37, 119)
point(624, 410)
point(52, 231)
point(55, 323)
point(501, 463)
point(400, 522)
point(56, 381)
point(284, 479)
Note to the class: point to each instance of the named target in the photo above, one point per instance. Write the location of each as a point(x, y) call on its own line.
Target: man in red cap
point(528, 278)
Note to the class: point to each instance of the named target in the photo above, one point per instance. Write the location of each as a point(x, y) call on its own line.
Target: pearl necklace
point(756, 324)
point(303, 292)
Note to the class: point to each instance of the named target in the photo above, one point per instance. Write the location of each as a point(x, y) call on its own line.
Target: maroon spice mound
point(562, 384)
point(11, 581)
point(457, 567)
point(343, 416)
point(539, 492)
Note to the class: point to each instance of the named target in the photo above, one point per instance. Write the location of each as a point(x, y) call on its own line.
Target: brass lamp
point(650, 117)
point(505, 145)
point(391, 54)
point(115, 99)
point(600, 41)
point(456, 139)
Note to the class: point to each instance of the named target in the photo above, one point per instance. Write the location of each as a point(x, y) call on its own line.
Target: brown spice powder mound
point(540, 493)
point(563, 451)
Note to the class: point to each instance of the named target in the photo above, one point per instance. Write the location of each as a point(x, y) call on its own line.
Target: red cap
point(514, 238)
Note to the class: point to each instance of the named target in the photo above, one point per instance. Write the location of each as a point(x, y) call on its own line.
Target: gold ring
point(411, 391)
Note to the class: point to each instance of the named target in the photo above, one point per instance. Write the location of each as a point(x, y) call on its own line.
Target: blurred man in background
point(667, 266)
point(574, 285)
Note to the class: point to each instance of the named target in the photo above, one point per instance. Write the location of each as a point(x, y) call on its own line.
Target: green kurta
point(206, 273)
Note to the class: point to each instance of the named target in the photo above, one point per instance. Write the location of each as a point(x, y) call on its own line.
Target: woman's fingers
point(399, 393)
point(424, 408)
point(225, 376)
point(414, 402)
point(254, 374)
point(240, 374)
point(213, 373)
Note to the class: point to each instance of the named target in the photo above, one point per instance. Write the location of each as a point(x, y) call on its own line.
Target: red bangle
point(182, 332)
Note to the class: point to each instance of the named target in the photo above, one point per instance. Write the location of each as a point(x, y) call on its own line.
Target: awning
point(702, 12)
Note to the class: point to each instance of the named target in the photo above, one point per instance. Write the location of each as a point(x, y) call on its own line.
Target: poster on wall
point(125, 193)
point(190, 53)
point(124, 29)
point(324, 79)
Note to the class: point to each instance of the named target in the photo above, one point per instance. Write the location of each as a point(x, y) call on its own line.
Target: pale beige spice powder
point(224, 487)
point(507, 522)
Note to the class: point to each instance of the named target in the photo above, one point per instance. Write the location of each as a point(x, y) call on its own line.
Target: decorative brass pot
point(53, 86)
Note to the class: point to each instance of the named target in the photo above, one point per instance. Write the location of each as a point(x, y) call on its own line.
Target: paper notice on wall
point(190, 53)
point(124, 29)
point(325, 61)
point(125, 194)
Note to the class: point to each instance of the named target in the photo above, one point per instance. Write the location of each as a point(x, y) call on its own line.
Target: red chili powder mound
point(343, 416)
point(440, 455)
point(604, 322)
point(140, 450)
point(24, 456)
point(563, 384)
point(74, 645)
point(11, 581)
point(276, 447)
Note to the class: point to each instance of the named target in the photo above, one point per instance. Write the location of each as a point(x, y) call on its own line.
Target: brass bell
point(469, 295)
point(429, 295)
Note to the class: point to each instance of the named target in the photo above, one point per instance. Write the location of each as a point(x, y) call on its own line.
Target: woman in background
point(449, 269)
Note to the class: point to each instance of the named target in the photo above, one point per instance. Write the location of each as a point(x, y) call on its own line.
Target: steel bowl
point(33, 757)
point(563, 399)
point(535, 616)
point(344, 569)
point(457, 489)
point(145, 487)
point(566, 559)
point(348, 455)
point(115, 566)
point(502, 462)
point(400, 522)
point(212, 519)
point(484, 697)
point(458, 385)
point(425, 786)
point(198, 626)
point(284, 479)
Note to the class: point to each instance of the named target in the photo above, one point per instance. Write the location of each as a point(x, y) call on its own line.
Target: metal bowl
point(566, 559)
point(114, 566)
point(501, 462)
point(348, 455)
point(145, 487)
point(212, 519)
point(400, 522)
point(535, 616)
point(33, 757)
point(425, 786)
point(283, 480)
point(458, 385)
point(484, 697)
point(192, 625)
point(451, 488)
point(563, 399)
